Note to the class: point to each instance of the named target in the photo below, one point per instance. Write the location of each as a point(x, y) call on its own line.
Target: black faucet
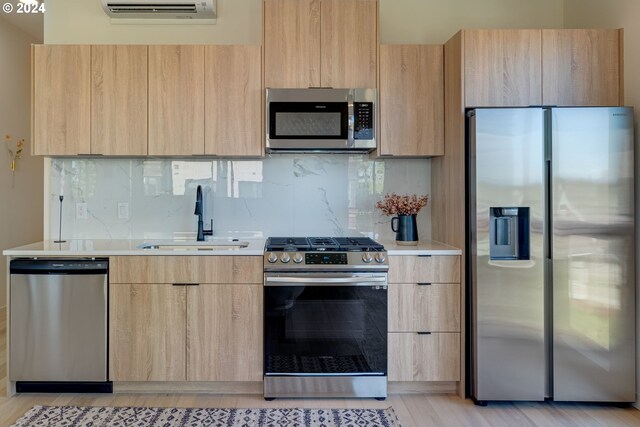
point(199, 210)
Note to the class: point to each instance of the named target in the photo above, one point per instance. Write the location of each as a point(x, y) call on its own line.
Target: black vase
point(406, 229)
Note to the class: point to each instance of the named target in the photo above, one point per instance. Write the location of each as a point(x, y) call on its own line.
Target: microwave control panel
point(363, 120)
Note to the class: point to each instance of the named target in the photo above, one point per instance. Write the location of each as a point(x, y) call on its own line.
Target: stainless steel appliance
point(321, 119)
point(551, 254)
point(58, 325)
point(325, 323)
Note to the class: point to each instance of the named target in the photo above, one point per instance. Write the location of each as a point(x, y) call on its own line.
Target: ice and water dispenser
point(509, 233)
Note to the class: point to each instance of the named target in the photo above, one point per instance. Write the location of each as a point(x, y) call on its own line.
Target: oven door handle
point(321, 281)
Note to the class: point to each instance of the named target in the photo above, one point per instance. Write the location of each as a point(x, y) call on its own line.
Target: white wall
point(84, 21)
point(240, 21)
point(435, 21)
point(21, 206)
point(618, 14)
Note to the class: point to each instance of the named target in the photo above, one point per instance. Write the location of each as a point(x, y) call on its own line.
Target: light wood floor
point(412, 410)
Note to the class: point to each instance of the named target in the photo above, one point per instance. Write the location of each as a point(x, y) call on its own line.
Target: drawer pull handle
point(424, 333)
point(424, 284)
point(424, 256)
point(186, 284)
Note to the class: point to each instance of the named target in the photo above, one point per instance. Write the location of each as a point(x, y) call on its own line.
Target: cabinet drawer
point(424, 308)
point(424, 269)
point(432, 357)
point(185, 269)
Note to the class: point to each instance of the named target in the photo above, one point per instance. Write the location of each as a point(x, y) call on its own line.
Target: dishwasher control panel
point(59, 266)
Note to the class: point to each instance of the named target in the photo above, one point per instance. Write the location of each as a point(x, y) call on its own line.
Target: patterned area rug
point(78, 416)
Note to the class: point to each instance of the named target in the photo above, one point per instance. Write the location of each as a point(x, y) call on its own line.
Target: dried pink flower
point(401, 204)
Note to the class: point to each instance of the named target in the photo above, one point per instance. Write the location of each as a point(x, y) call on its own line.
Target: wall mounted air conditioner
point(199, 11)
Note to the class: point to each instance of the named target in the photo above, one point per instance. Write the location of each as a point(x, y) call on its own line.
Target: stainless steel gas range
point(325, 317)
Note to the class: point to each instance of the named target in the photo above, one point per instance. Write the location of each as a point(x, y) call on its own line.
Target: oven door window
point(339, 330)
point(308, 120)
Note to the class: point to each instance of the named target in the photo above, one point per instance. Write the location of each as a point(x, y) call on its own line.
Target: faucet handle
point(208, 232)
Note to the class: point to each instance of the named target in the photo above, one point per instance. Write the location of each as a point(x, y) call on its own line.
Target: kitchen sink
point(193, 245)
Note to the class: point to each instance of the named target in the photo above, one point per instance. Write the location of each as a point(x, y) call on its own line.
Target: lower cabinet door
point(224, 332)
point(424, 357)
point(433, 307)
point(147, 325)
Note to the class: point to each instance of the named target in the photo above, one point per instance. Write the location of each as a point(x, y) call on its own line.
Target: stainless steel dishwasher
point(58, 325)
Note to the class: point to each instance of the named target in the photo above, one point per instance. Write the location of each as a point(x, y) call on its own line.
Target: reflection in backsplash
point(301, 195)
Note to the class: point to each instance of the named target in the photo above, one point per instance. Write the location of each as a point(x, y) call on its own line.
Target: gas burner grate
point(358, 244)
point(301, 244)
point(323, 243)
point(290, 244)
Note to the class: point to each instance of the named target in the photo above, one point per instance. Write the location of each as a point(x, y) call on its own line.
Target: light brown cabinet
point(119, 100)
point(424, 307)
point(224, 332)
point(132, 100)
point(510, 68)
point(89, 100)
point(502, 68)
point(147, 332)
point(176, 100)
point(424, 357)
point(233, 101)
point(424, 318)
point(582, 67)
point(427, 269)
point(328, 43)
point(185, 318)
point(411, 96)
point(348, 43)
point(61, 100)
point(291, 43)
point(205, 100)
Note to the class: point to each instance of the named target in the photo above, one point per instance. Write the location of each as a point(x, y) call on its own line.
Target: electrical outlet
point(81, 211)
point(123, 210)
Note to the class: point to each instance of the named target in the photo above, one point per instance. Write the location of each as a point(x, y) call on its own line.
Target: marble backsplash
point(281, 195)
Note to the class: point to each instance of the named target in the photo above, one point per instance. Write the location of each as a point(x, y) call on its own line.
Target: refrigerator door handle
point(548, 243)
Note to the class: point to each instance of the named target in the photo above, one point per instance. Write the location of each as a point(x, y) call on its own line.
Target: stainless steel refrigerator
point(551, 254)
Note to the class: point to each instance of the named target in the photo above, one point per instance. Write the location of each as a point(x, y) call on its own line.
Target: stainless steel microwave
point(321, 120)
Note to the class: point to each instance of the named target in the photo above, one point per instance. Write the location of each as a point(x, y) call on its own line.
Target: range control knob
point(366, 257)
point(272, 257)
point(285, 258)
point(380, 258)
point(297, 258)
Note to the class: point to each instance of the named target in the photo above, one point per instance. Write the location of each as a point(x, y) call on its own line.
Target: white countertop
point(96, 247)
point(424, 247)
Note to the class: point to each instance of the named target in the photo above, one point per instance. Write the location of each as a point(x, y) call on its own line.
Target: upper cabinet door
point(61, 100)
point(582, 67)
point(176, 100)
point(119, 100)
point(328, 43)
point(233, 101)
point(411, 100)
point(291, 43)
point(349, 43)
point(502, 68)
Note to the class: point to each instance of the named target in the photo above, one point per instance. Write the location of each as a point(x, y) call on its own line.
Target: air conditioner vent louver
point(128, 10)
point(156, 8)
